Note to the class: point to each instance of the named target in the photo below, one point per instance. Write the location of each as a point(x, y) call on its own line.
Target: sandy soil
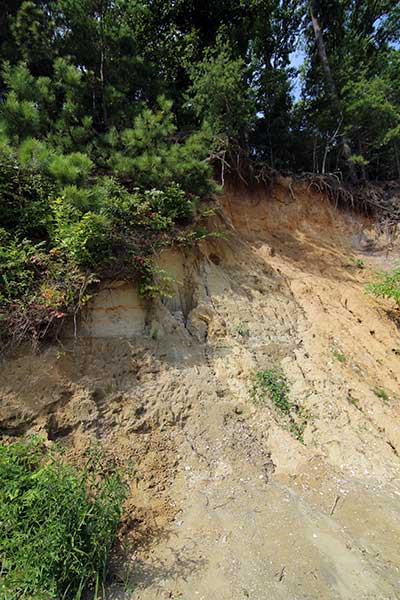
point(225, 503)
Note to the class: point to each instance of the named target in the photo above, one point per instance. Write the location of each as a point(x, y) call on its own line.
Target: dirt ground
point(226, 504)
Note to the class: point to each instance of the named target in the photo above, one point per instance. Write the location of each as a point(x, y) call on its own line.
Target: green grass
point(272, 384)
point(242, 329)
point(354, 401)
point(58, 523)
point(360, 264)
point(381, 393)
point(339, 355)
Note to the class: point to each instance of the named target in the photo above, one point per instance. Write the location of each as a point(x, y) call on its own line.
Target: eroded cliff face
point(226, 503)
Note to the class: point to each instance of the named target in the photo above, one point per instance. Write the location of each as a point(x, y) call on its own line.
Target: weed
point(359, 263)
point(381, 393)
point(386, 285)
point(242, 329)
point(339, 355)
point(272, 384)
point(155, 282)
point(354, 401)
point(57, 522)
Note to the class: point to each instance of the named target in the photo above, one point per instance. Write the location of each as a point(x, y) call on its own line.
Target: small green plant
point(58, 523)
point(242, 329)
point(359, 263)
point(354, 401)
point(155, 282)
point(386, 285)
point(339, 355)
point(381, 393)
point(272, 384)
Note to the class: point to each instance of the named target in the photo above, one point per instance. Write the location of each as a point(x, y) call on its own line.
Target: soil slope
point(225, 503)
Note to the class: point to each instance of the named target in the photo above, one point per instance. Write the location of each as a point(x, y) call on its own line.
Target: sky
point(296, 60)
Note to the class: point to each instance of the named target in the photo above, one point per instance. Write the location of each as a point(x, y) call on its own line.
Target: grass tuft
point(58, 523)
point(339, 355)
point(381, 393)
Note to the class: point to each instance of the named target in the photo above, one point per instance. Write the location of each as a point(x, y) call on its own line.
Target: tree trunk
point(101, 69)
point(324, 57)
point(319, 38)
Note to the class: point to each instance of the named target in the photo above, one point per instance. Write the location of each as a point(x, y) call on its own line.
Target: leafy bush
point(71, 168)
point(220, 93)
point(58, 523)
point(37, 290)
point(272, 384)
point(387, 285)
point(83, 236)
point(144, 156)
point(21, 116)
point(77, 204)
point(16, 266)
point(59, 232)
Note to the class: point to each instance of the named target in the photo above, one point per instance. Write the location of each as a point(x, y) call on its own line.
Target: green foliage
point(155, 281)
point(373, 115)
point(220, 94)
point(145, 156)
point(361, 44)
point(58, 523)
point(71, 168)
point(32, 31)
point(16, 266)
point(85, 238)
point(34, 156)
point(386, 285)
point(381, 393)
point(114, 115)
point(242, 329)
point(78, 72)
point(24, 111)
point(359, 263)
point(354, 401)
point(64, 221)
point(339, 355)
point(271, 384)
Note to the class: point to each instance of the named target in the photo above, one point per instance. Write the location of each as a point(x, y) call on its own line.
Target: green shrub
point(171, 203)
point(70, 168)
point(58, 523)
point(22, 116)
point(34, 154)
point(84, 237)
point(219, 92)
point(77, 201)
point(386, 285)
point(16, 268)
